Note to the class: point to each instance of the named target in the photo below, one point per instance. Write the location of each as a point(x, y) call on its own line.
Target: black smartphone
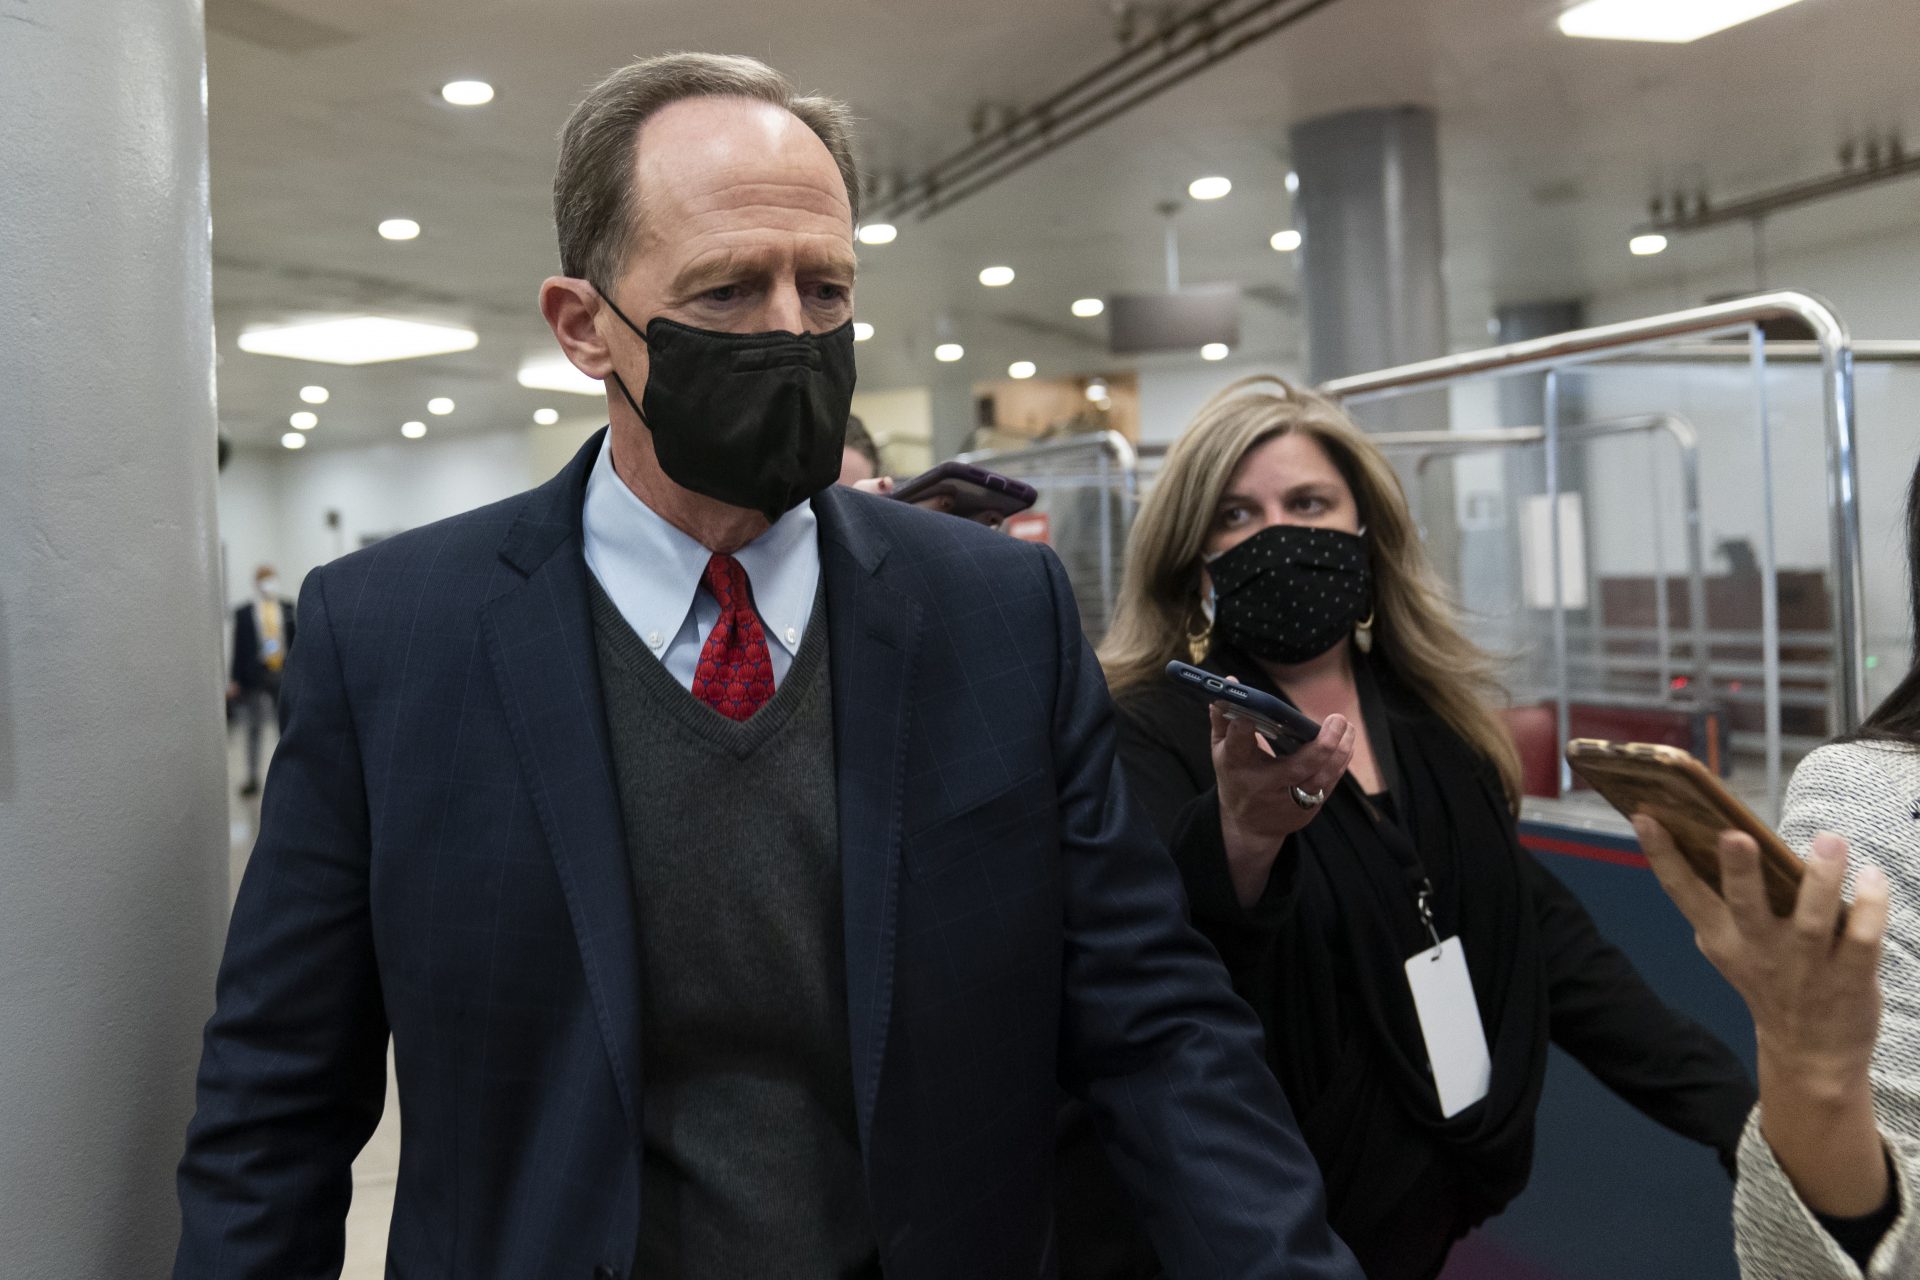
point(972, 493)
point(1286, 727)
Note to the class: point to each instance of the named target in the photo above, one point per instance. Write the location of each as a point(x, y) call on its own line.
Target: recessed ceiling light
point(1285, 241)
point(1021, 369)
point(1086, 308)
point(467, 93)
point(996, 277)
point(556, 373)
point(1663, 21)
point(878, 233)
point(357, 340)
point(948, 352)
point(862, 331)
point(1214, 351)
point(440, 405)
point(1096, 391)
point(413, 430)
point(1209, 188)
point(304, 421)
point(293, 440)
point(314, 395)
point(546, 417)
point(1647, 245)
point(1293, 182)
point(398, 229)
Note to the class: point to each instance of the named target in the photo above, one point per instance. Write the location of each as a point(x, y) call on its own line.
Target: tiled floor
point(379, 1162)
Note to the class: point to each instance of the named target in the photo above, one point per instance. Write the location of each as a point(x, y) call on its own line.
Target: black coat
point(1319, 957)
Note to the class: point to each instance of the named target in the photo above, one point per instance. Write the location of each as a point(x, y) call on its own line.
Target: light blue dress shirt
point(652, 570)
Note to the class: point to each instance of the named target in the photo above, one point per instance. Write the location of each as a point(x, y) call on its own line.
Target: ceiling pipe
point(1201, 40)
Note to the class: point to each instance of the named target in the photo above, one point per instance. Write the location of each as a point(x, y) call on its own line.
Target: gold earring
point(1200, 642)
point(1363, 633)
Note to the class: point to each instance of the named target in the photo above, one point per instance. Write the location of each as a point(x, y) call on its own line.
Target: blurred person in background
point(1277, 549)
point(1830, 1161)
point(739, 862)
point(262, 638)
point(859, 457)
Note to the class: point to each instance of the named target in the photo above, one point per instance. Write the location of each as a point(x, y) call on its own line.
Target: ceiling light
point(1021, 369)
point(398, 229)
point(413, 430)
point(862, 331)
point(440, 405)
point(1664, 21)
point(1647, 245)
point(546, 417)
point(1214, 351)
point(1293, 182)
point(948, 352)
point(357, 340)
point(877, 233)
point(1096, 391)
point(293, 440)
point(314, 395)
point(1209, 188)
point(304, 421)
point(467, 93)
point(1285, 241)
point(1086, 308)
point(556, 373)
point(996, 277)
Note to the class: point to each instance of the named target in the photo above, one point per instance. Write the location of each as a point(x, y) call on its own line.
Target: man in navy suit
point(738, 863)
point(262, 638)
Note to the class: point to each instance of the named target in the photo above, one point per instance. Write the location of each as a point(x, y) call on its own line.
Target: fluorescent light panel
point(357, 340)
point(556, 373)
point(1661, 21)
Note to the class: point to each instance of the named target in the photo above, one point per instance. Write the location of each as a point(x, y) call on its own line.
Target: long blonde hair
point(1416, 630)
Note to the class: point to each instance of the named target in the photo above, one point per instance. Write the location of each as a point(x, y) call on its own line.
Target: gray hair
point(593, 193)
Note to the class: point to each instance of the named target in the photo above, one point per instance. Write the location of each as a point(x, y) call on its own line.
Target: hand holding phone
point(969, 492)
point(1266, 756)
point(1677, 791)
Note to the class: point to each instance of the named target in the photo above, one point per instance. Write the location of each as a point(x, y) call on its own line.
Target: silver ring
point(1308, 799)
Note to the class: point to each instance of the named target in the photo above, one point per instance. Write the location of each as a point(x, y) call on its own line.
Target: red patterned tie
point(735, 675)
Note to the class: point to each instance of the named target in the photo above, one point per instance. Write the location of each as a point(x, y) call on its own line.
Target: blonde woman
point(1277, 548)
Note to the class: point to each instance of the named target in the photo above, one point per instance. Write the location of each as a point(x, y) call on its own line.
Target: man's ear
point(571, 307)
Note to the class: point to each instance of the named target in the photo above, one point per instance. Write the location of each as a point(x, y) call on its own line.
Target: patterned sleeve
point(1869, 793)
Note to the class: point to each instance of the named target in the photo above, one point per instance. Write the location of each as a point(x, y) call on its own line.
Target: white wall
point(273, 507)
point(1171, 393)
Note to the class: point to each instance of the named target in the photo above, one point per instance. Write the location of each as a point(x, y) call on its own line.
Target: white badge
point(1450, 1022)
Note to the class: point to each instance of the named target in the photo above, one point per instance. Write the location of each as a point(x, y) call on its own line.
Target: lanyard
point(1397, 836)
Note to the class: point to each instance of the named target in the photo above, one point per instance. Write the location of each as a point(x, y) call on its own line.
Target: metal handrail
point(1117, 447)
point(1580, 346)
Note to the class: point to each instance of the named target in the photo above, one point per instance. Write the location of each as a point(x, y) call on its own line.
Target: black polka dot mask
point(1290, 592)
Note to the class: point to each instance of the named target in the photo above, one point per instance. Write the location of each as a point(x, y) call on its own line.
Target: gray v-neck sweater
point(752, 1152)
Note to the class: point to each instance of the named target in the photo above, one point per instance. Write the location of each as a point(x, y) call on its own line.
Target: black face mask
point(1290, 593)
point(754, 420)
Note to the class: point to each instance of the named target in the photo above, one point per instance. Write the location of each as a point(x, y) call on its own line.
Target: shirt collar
point(651, 570)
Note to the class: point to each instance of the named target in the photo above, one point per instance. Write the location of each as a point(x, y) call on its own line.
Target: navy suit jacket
point(248, 671)
point(441, 856)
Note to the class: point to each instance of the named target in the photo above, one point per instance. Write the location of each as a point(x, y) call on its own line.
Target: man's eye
point(725, 293)
point(830, 292)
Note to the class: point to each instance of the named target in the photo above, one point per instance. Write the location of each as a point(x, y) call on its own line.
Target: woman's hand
point(879, 486)
point(1257, 808)
point(1814, 992)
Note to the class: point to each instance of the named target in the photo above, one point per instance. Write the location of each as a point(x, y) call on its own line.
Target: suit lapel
point(874, 635)
point(539, 635)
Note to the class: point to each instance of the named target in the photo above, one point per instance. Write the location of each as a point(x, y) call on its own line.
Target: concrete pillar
point(1369, 213)
point(113, 877)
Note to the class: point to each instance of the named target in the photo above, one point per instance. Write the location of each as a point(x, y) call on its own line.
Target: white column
point(112, 809)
